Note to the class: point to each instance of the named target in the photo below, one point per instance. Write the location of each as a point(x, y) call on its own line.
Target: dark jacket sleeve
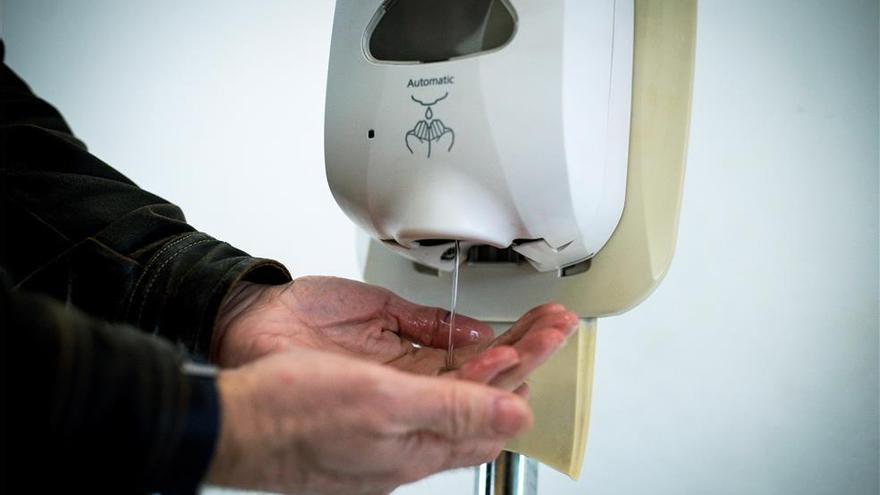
point(94, 397)
point(76, 229)
point(92, 406)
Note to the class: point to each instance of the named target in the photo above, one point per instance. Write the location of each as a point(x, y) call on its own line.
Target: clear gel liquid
point(450, 360)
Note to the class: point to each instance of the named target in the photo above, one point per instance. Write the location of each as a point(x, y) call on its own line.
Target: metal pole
point(509, 474)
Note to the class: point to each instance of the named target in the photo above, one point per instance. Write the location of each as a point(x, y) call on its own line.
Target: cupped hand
point(332, 314)
point(365, 321)
point(506, 361)
point(306, 421)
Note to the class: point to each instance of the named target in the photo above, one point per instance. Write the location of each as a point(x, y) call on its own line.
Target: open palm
point(369, 322)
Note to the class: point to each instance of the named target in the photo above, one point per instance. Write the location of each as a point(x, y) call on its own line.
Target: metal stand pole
point(509, 474)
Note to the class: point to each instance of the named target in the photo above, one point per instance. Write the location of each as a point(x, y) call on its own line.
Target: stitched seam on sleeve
point(149, 265)
point(159, 271)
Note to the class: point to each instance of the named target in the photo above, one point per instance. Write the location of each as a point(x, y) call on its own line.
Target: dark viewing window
point(434, 30)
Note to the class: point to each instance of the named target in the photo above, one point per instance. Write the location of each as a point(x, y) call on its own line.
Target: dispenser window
point(423, 31)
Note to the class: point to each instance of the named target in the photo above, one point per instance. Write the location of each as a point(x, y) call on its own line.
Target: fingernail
point(473, 335)
point(509, 415)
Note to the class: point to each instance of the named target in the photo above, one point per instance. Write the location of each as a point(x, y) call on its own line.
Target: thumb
point(459, 409)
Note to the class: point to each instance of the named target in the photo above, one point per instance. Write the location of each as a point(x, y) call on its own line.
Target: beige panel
point(640, 251)
point(560, 399)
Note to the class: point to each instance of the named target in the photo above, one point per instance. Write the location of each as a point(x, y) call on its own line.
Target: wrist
point(240, 298)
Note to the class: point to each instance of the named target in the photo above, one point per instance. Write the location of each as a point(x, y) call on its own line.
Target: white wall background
point(753, 369)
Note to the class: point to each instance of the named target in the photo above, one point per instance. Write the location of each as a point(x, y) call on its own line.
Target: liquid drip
point(450, 360)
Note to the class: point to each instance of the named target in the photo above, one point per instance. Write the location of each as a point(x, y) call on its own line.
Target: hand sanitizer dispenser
point(497, 124)
point(548, 137)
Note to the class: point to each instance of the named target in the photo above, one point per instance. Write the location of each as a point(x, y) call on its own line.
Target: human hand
point(365, 321)
point(305, 421)
point(505, 361)
point(331, 314)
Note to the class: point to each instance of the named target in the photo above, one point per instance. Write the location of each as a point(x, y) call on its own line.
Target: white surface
point(753, 368)
point(504, 162)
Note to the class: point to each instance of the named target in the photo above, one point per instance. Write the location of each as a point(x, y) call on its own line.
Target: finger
point(565, 321)
point(430, 326)
point(457, 409)
point(475, 453)
point(551, 315)
point(527, 321)
point(485, 366)
point(534, 349)
point(452, 454)
point(427, 454)
point(523, 391)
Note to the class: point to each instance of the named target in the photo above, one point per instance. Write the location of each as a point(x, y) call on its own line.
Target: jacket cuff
point(183, 285)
